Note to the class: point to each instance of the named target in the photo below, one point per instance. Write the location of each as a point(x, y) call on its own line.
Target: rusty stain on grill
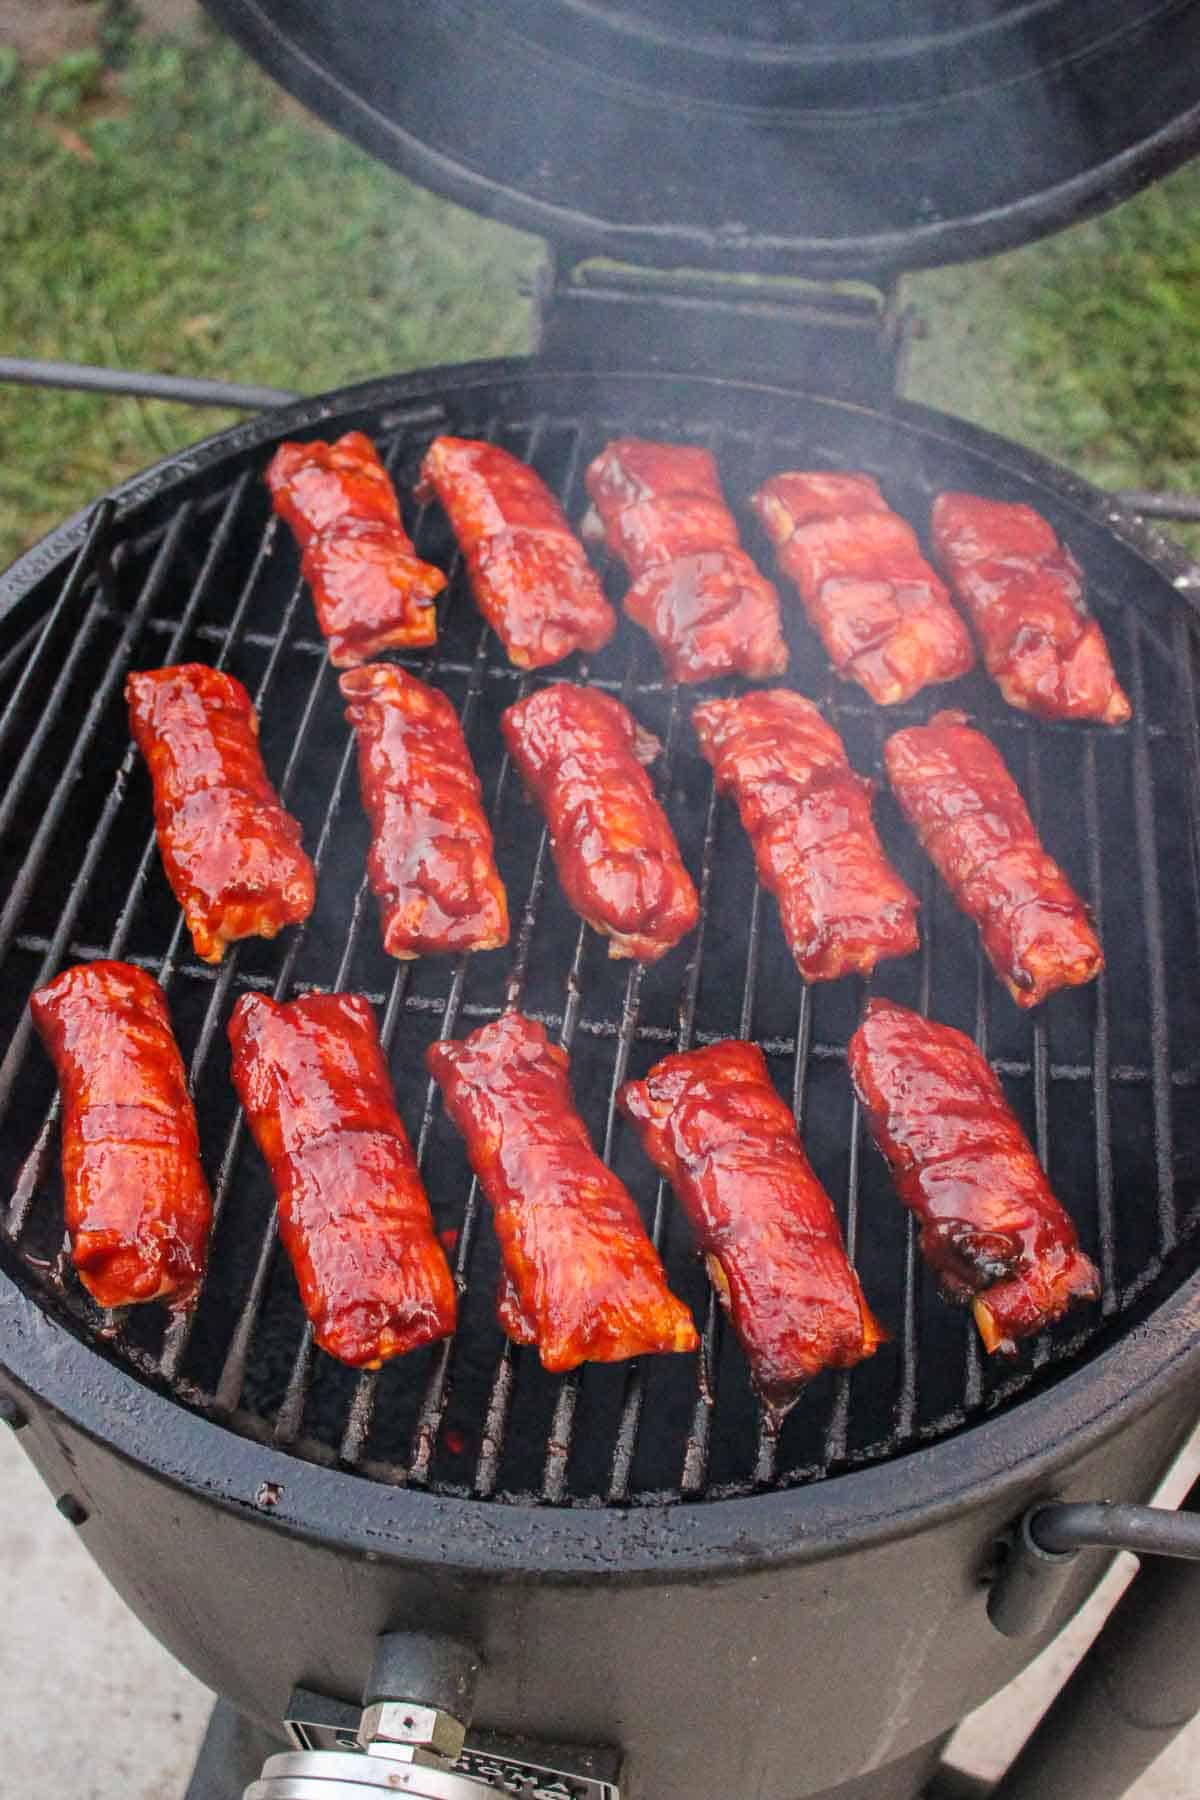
point(110, 615)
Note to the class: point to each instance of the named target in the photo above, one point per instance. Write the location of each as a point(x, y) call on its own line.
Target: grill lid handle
point(1049, 1537)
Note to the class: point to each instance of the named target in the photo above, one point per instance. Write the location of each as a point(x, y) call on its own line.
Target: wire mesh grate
point(1104, 1078)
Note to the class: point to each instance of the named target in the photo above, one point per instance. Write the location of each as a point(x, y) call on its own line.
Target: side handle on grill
point(1050, 1536)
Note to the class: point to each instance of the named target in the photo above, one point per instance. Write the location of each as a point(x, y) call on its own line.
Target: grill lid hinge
point(844, 339)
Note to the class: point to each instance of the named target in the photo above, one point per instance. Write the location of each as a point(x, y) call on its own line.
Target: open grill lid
point(800, 136)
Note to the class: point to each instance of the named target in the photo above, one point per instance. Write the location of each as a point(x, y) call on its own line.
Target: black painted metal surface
point(816, 138)
point(1107, 1087)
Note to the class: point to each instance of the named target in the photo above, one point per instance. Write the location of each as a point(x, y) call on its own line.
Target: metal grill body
point(466, 1458)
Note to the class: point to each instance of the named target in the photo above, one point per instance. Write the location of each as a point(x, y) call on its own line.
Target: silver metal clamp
point(348, 1775)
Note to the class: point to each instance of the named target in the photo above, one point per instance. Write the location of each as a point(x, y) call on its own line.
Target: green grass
point(178, 216)
point(190, 222)
point(1084, 345)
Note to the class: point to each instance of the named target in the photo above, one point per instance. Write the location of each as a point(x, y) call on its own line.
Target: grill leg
point(231, 1756)
point(1134, 1691)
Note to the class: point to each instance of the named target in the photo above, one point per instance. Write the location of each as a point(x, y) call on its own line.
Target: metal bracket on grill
point(845, 339)
point(517, 1766)
point(315, 1722)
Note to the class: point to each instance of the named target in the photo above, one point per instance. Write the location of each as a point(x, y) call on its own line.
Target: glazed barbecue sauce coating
point(580, 752)
point(137, 1203)
point(431, 860)
point(529, 573)
point(694, 589)
point(371, 590)
point(232, 855)
point(808, 817)
point(990, 1225)
point(1024, 593)
point(882, 614)
point(711, 1121)
point(581, 1278)
point(968, 813)
point(353, 1214)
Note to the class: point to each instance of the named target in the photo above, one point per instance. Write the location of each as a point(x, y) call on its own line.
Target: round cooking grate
point(189, 564)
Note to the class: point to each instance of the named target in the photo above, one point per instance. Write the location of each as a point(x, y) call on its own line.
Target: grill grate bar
point(804, 1054)
point(18, 652)
point(437, 1393)
point(768, 1442)
point(503, 1384)
point(1184, 647)
point(1041, 1054)
point(1101, 1073)
point(232, 1378)
point(837, 1430)
point(1120, 1074)
point(495, 1423)
point(89, 561)
point(33, 1170)
point(558, 1453)
point(699, 1441)
point(233, 1370)
point(910, 1338)
point(491, 1447)
point(558, 1445)
point(290, 1415)
point(99, 837)
point(52, 817)
point(1033, 792)
point(767, 1453)
point(1147, 854)
point(178, 1335)
point(973, 1351)
point(634, 1400)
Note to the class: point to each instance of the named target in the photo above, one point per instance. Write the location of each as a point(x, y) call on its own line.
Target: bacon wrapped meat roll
point(353, 1214)
point(808, 817)
point(882, 614)
point(1024, 594)
point(712, 1122)
point(580, 753)
point(990, 1226)
point(431, 861)
point(968, 813)
point(694, 588)
point(232, 855)
point(581, 1278)
point(529, 573)
point(137, 1204)
point(371, 590)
